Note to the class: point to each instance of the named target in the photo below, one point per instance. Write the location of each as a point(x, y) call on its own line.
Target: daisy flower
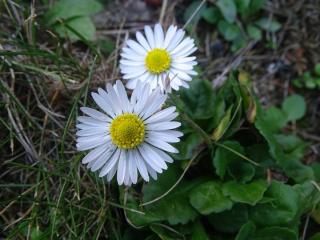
point(129, 136)
point(158, 55)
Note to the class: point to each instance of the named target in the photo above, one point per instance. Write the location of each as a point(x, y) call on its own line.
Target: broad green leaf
point(292, 166)
point(242, 172)
point(175, 207)
point(248, 8)
point(254, 32)
point(246, 231)
point(199, 232)
point(268, 24)
point(163, 233)
point(65, 9)
point(283, 208)
point(309, 196)
point(292, 145)
point(315, 236)
point(208, 198)
point(295, 107)
point(82, 25)
point(275, 116)
point(188, 146)
point(228, 30)
point(211, 15)
point(225, 160)
point(228, 9)
point(250, 193)
point(275, 233)
point(230, 221)
point(317, 69)
point(199, 99)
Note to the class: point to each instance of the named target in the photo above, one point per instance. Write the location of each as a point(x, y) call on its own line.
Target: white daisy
point(131, 136)
point(156, 56)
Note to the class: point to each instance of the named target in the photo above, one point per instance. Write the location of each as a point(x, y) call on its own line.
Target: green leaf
point(208, 198)
point(199, 99)
point(292, 145)
point(230, 221)
point(225, 160)
point(275, 233)
point(268, 24)
point(309, 197)
point(295, 107)
point(188, 146)
point(175, 207)
point(315, 236)
point(254, 32)
point(228, 9)
point(248, 8)
point(275, 116)
point(246, 231)
point(228, 30)
point(65, 9)
point(199, 232)
point(283, 208)
point(317, 69)
point(82, 25)
point(211, 15)
point(250, 193)
point(163, 233)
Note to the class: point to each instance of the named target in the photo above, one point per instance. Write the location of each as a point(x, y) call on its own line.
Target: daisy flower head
point(157, 55)
point(129, 136)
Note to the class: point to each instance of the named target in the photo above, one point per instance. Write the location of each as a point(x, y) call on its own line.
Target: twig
point(193, 14)
point(163, 10)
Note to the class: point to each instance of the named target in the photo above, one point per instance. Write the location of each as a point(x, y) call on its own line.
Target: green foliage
point(70, 18)
point(309, 80)
point(226, 185)
point(238, 21)
point(208, 198)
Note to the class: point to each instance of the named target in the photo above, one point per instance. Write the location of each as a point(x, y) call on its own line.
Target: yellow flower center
point(158, 60)
point(127, 131)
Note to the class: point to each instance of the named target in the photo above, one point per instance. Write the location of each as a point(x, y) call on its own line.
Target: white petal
point(94, 154)
point(182, 66)
point(152, 158)
point(141, 39)
point(99, 136)
point(132, 63)
point(132, 167)
point(163, 155)
point(162, 135)
point(134, 74)
point(91, 121)
point(85, 126)
point(102, 159)
point(95, 114)
point(132, 57)
point(136, 47)
point(152, 172)
point(123, 97)
point(154, 106)
point(169, 35)
point(161, 115)
point(127, 180)
point(82, 146)
point(110, 164)
point(162, 145)
point(102, 103)
point(163, 126)
point(121, 172)
point(158, 35)
point(176, 40)
point(150, 37)
point(92, 131)
point(141, 165)
point(112, 172)
point(114, 99)
point(187, 42)
point(183, 59)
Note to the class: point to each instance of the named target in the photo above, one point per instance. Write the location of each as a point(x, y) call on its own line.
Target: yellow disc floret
point(157, 60)
point(127, 131)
